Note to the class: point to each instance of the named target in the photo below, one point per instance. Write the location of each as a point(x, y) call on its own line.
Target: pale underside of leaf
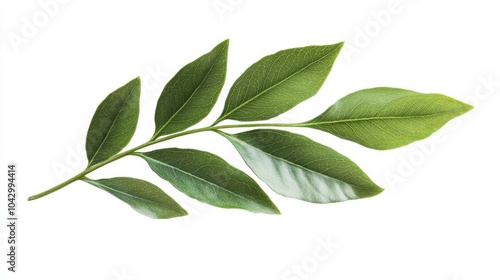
point(297, 167)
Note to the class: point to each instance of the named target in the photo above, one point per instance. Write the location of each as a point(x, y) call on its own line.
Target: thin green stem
point(91, 168)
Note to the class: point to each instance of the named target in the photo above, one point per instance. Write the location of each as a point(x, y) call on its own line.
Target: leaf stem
point(91, 168)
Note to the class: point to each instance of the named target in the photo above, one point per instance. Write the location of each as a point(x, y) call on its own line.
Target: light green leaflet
point(292, 165)
point(387, 118)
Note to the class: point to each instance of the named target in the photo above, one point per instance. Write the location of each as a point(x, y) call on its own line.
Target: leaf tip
point(275, 211)
point(181, 212)
point(270, 208)
point(467, 107)
point(460, 107)
point(337, 46)
point(379, 190)
point(136, 81)
point(374, 190)
point(224, 45)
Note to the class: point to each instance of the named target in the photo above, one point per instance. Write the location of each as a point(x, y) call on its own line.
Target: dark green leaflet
point(208, 178)
point(142, 196)
point(114, 123)
point(192, 93)
point(278, 82)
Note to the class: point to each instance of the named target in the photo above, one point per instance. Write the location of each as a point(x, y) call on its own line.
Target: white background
point(437, 220)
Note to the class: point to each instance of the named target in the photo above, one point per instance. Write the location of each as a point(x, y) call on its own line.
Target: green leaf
point(210, 179)
point(386, 118)
point(295, 166)
point(279, 82)
point(114, 123)
point(190, 95)
point(142, 196)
